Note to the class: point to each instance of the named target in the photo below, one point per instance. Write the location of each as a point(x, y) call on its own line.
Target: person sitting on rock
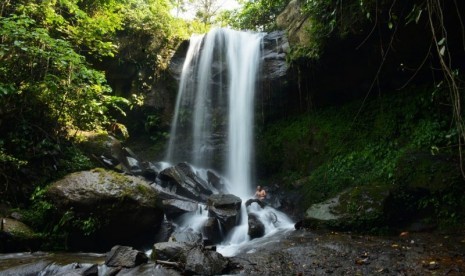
point(260, 193)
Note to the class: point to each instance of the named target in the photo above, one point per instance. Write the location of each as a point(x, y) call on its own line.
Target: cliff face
point(295, 23)
point(277, 95)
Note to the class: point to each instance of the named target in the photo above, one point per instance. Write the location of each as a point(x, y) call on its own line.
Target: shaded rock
point(211, 230)
point(149, 270)
point(183, 181)
point(125, 208)
point(188, 236)
point(175, 207)
point(134, 166)
point(224, 201)
point(354, 208)
point(16, 216)
point(255, 200)
point(110, 152)
point(16, 236)
point(91, 271)
point(274, 57)
point(204, 262)
point(125, 256)
point(215, 180)
point(150, 170)
point(167, 193)
point(256, 227)
point(47, 268)
point(427, 172)
point(164, 232)
point(226, 208)
point(26, 269)
point(170, 251)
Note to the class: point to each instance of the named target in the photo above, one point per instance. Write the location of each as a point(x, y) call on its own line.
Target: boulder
point(170, 251)
point(226, 208)
point(255, 200)
point(182, 180)
point(175, 207)
point(125, 256)
point(148, 270)
point(44, 267)
point(16, 236)
point(212, 231)
point(188, 236)
point(224, 201)
point(358, 208)
point(256, 227)
point(150, 170)
point(124, 208)
point(205, 262)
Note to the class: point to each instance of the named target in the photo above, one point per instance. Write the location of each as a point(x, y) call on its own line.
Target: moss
point(400, 141)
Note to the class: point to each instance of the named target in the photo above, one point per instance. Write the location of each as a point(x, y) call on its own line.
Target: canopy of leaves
point(257, 15)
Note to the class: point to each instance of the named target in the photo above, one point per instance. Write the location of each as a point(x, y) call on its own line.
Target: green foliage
point(330, 152)
point(48, 88)
point(259, 15)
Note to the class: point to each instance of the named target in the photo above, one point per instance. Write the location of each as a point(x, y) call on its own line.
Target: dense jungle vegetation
point(53, 88)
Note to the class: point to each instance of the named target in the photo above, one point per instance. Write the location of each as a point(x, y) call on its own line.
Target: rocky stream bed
point(295, 252)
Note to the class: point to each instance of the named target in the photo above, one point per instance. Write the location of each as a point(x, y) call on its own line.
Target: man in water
point(260, 193)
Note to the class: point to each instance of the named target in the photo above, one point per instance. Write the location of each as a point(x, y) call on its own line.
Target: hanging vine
point(451, 76)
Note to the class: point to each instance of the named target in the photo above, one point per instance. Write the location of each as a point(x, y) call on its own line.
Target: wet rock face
point(211, 230)
point(226, 208)
point(175, 207)
point(256, 227)
point(182, 180)
point(274, 55)
point(274, 61)
point(125, 256)
point(126, 207)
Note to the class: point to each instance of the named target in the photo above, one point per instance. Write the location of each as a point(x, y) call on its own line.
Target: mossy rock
point(17, 236)
point(107, 207)
point(358, 208)
point(422, 170)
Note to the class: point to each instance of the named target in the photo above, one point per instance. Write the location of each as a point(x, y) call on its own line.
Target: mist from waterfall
point(213, 120)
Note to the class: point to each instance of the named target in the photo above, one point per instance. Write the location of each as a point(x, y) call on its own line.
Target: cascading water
point(215, 100)
point(213, 120)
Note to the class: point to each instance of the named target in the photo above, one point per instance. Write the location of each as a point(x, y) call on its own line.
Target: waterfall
point(213, 125)
point(213, 120)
